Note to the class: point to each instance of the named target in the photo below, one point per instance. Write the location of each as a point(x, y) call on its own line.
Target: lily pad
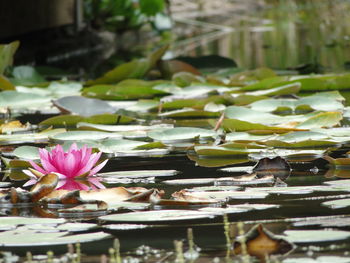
point(336, 204)
point(18, 100)
point(84, 135)
point(82, 106)
point(314, 102)
point(311, 236)
point(23, 237)
point(321, 259)
point(181, 133)
point(159, 216)
point(27, 152)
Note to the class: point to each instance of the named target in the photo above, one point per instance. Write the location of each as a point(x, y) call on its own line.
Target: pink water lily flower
point(69, 165)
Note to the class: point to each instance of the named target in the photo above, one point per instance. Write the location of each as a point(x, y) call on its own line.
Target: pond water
point(281, 35)
point(212, 180)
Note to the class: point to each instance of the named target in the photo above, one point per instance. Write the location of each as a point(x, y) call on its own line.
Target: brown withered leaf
point(43, 187)
point(119, 194)
point(14, 196)
point(64, 197)
point(13, 126)
point(261, 242)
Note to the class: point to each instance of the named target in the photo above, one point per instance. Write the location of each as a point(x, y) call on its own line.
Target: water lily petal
point(98, 168)
point(30, 182)
point(70, 165)
point(91, 162)
point(73, 147)
point(95, 183)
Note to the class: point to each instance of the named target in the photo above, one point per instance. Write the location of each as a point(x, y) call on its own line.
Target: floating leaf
point(17, 100)
point(19, 221)
point(292, 88)
point(7, 52)
point(321, 259)
point(181, 133)
point(27, 152)
point(223, 150)
point(314, 102)
point(83, 106)
point(311, 236)
point(231, 125)
point(336, 204)
point(84, 135)
point(188, 195)
point(189, 113)
point(24, 237)
point(134, 69)
point(159, 216)
point(72, 120)
point(323, 119)
point(122, 145)
point(29, 137)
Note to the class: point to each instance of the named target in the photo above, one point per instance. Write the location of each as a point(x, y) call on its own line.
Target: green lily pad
point(120, 145)
point(311, 236)
point(292, 88)
point(18, 221)
point(27, 152)
point(29, 137)
point(181, 133)
point(336, 204)
point(224, 151)
point(121, 128)
point(323, 119)
point(231, 125)
point(134, 69)
point(82, 106)
point(23, 237)
point(322, 259)
point(71, 120)
point(189, 113)
point(18, 100)
point(159, 216)
point(301, 144)
point(84, 135)
point(7, 51)
point(314, 102)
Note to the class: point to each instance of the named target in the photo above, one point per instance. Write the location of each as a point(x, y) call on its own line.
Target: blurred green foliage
point(121, 15)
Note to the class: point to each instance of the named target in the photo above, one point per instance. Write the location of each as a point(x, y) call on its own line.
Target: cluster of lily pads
point(155, 108)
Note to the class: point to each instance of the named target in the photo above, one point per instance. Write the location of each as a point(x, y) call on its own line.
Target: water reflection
point(282, 35)
point(86, 184)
